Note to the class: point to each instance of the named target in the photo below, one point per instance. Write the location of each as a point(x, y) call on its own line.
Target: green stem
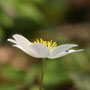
point(42, 74)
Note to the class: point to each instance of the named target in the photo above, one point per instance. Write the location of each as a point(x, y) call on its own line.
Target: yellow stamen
point(37, 40)
point(41, 40)
point(51, 45)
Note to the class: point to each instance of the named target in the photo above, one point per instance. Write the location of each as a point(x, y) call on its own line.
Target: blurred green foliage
point(18, 16)
point(38, 18)
point(8, 87)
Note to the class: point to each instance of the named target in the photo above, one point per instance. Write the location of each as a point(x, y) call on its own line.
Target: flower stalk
point(42, 73)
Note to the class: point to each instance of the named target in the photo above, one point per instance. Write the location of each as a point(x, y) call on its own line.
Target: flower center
point(51, 45)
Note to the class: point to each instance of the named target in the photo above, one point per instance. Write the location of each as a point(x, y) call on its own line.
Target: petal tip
point(11, 40)
point(8, 39)
point(72, 50)
point(81, 50)
point(15, 35)
point(75, 45)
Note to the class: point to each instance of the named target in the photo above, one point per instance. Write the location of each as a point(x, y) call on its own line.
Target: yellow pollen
point(37, 40)
point(51, 45)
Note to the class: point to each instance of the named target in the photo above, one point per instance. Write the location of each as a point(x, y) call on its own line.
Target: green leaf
point(5, 20)
point(12, 74)
point(32, 74)
point(30, 11)
point(2, 34)
point(55, 73)
point(8, 87)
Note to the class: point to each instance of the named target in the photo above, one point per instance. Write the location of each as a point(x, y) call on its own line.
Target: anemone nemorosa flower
point(41, 48)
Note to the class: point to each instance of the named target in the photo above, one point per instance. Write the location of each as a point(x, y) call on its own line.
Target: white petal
point(28, 51)
point(22, 43)
point(65, 53)
point(21, 40)
point(41, 50)
point(61, 48)
point(11, 40)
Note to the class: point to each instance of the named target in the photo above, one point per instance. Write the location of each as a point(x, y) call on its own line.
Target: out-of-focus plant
point(24, 16)
point(2, 35)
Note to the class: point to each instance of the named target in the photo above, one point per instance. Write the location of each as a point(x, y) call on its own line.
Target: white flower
point(42, 49)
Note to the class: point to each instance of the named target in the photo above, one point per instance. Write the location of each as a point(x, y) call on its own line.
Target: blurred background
point(63, 21)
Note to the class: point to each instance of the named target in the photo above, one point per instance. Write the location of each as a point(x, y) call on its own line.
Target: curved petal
point(28, 51)
point(41, 50)
point(21, 40)
point(11, 40)
point(61, 48)
point(36, 50)
point(65, 53)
